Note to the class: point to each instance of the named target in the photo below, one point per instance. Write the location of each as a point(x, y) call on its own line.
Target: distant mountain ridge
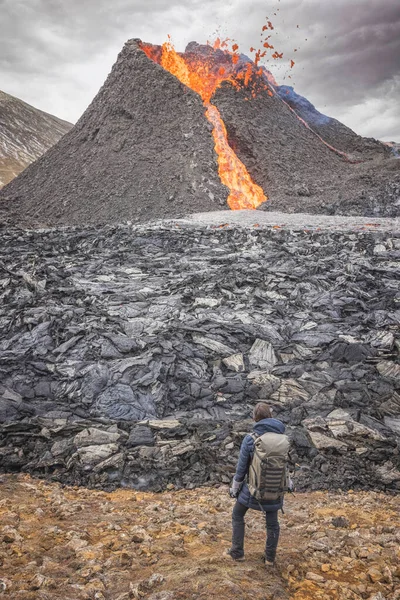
point(26, 133)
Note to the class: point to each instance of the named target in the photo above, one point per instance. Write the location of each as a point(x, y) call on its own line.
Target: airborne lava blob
point(204, 78)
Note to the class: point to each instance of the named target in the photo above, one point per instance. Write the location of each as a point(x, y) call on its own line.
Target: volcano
point(132, 355)
point(208, 129)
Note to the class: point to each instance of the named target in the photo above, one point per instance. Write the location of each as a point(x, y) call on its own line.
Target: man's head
point(261, 411)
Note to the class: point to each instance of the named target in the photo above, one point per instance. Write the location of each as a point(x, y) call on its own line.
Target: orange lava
point(244, 192)
point(202, 77)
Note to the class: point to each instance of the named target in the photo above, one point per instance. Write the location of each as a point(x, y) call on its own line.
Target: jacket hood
point(269, 425)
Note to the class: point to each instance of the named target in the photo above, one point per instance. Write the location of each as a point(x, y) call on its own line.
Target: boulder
point(92, 455)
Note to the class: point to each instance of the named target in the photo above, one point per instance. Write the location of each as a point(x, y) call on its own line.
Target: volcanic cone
point(142, 149)
point(175, 133)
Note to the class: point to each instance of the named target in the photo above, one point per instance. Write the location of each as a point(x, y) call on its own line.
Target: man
point(244, 500)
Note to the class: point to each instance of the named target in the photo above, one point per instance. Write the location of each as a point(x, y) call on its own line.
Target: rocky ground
point(300, 221)
point(71, 543)
point(134, 355)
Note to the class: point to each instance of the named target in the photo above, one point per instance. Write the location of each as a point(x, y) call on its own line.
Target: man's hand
point(235, 488)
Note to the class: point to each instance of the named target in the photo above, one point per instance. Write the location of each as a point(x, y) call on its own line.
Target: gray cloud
point(56, 54)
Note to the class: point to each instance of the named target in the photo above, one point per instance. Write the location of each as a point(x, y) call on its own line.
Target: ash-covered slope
point(333, 131)
point(298, 171)
point(142, 149)
point(280, 152)
point(25, 134)
point(287, 156)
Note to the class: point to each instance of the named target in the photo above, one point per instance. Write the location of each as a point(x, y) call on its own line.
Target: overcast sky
point(55, 54)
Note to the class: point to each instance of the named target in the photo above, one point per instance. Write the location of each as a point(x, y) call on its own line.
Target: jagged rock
point(164, 408)
point(323, 442)
point(381, 339)
point(375, 574)
point(140, 589)
point(347, 428)
point(392, 405)
point(62, 448)
point(388, 473)
point(340, 522)
point(340, 413)
point(314, 577)
point(167, 424)
point(213, 345)
point(393, 424)
point(207, 302)
point(234, 363)
point(92, 455)
point(389, 369)
point(290, 392)
point(9, 535)
point(121, 402)
point(112, 465)
point(183, 448)
point(262, 355)
point(93, 437)
point(140, 436)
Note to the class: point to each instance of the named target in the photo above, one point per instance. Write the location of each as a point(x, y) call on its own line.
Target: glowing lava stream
point(244, 193)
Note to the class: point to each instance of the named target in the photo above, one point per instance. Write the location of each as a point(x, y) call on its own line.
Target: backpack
point(268, 476)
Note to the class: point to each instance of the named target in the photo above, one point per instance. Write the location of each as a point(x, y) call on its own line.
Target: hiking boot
point(233, 556)
point(270, 564)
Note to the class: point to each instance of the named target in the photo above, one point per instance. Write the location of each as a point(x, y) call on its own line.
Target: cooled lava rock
point(134, 355)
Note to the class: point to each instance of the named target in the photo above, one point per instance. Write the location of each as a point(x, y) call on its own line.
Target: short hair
point(261, 411)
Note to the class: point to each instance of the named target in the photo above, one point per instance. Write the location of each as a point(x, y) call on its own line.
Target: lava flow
point(202, 78)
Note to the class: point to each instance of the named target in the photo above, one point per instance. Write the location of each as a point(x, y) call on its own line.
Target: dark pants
point(272, 524)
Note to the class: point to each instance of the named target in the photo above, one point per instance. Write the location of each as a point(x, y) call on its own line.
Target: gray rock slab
point(323, 442)
point(92, 455)
point(262, 355)
point(93, 436)
point(393, 424)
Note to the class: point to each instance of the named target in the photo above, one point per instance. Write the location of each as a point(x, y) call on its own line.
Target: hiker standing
point(263, 458)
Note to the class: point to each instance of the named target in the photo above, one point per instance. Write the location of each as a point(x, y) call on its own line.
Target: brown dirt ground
point(73, 543)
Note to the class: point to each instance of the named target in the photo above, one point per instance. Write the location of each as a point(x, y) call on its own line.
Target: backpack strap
point(254, 436)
